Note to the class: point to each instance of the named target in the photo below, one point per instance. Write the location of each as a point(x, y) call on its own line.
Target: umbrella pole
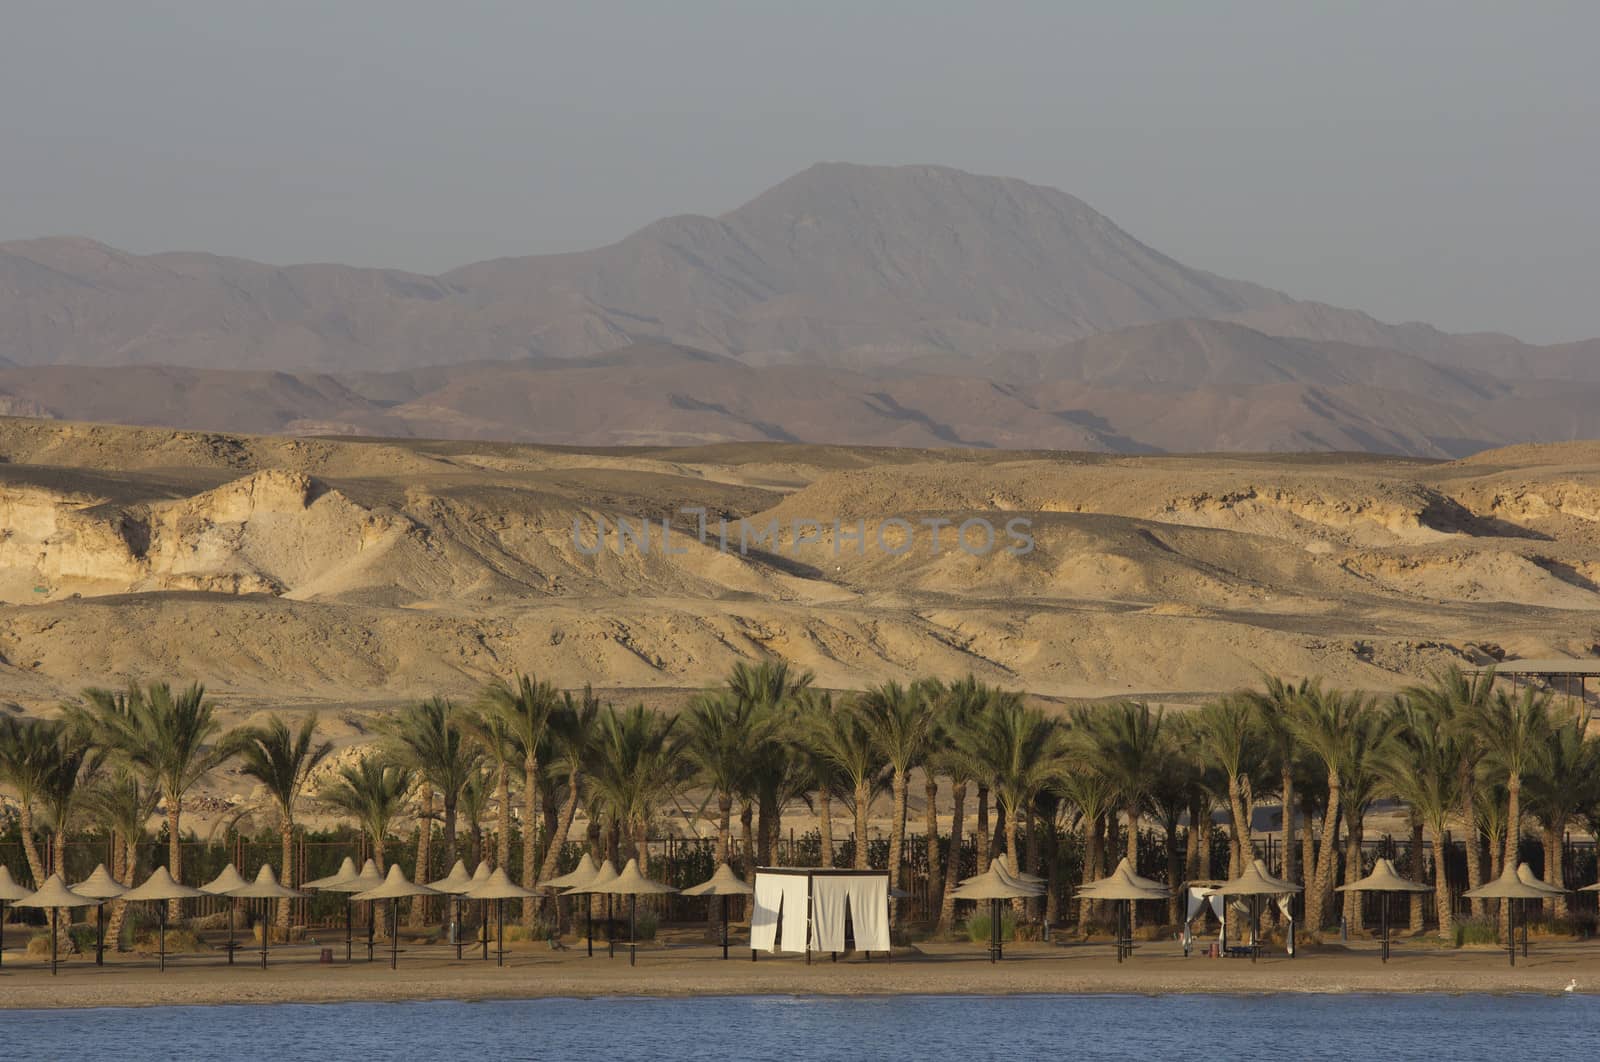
point(1255, 923)
point(100, 933)
point(633, 931)
point(54, 912)
point(162, 945)
point(349, 940)
point(611, 935)
point(1383, 907)
point(394, 934)
point(372, 928)
point(2, 930)
point(724, 927)
point(266, 931)
point(455, 907)
point(483, 927)
point(231, 903)
point(500, 932)
point(588, 923)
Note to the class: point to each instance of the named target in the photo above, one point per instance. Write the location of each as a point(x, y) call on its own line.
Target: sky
point(1428, 160)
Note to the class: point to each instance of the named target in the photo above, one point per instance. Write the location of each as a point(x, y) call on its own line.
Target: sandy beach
point(433, 972)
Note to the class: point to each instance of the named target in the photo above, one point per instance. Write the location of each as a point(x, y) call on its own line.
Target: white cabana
point(811, 905)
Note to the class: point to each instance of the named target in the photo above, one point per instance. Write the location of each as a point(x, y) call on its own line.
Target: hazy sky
point(1419, 160)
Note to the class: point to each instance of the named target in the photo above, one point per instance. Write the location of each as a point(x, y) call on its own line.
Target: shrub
point(39, 946)
point(518, 932)
point(1476, 930)
point(979, 926)
point(178, 940)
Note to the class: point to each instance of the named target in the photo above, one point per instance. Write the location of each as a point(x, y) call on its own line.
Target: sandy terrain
point(434, 973)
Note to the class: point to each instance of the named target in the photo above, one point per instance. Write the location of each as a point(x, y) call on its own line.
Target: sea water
point(859, 1029)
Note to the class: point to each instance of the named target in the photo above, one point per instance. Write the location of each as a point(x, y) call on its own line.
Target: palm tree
point(961, 705)
point(720, 731)
point(1567, 782)
point(770, 688)
point(431, 740)
point(822, 774)
point(574, 730)
point(73, 767)
point(636, 769)
point(841, 737)
point(1022, 750)
point(373, 792)
point(525, 709)
point(282, 761)
point(1274, 709)
point(1125, 744)
point(1513, 732)
point(494, 740)
point(1226, 735)
point(1323, 722)
point(898, 720)
point(475, 796)
point(1422, 767)
point(1360, 784)
point(173, 739)
point(27, 752)
point(122, 803)
point(1092, 798)
point(1456, 698)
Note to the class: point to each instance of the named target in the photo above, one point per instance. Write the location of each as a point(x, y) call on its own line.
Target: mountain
point(1172, 386)
point(843, 264)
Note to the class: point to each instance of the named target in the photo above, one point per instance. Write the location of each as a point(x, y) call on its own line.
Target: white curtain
point(828, 895)
point(796, 916)
point(1196, 903)
point(869, 911)
point(764, 919)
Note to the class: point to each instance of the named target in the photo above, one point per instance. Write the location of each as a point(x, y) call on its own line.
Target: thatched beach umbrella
point(499, 888)
point(454, 884)
point(223, 885)
point(1253, 884)
point(996, 886)
point(479, 878)
point(580, 875)
point(266, 887)
point(369, 878)
point(1511, 888)
point(1384, 880)
point(1125, 887)
point(102, 886)
point(632, 884)
point(10, 892)
point(723, 883)
point(1004, 859)
point(54, 895)
point(395, 887)
point(603, 876)
point(160, 886)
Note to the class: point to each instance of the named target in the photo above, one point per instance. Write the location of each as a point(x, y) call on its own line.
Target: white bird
point(1572, 985)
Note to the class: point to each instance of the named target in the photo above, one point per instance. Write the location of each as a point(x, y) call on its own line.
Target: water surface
point(788, 1029)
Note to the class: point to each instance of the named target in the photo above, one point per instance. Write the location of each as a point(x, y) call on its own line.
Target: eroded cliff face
point(268, 532)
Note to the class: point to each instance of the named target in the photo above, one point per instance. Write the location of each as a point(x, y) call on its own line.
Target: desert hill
point(361, 573)
point(1173, 386)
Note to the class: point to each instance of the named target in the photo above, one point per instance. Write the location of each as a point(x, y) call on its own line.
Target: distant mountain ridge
point(843, 264)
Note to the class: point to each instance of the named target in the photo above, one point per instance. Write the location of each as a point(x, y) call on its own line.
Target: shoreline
point(433, 974)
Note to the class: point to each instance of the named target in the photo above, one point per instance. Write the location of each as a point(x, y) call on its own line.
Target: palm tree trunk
point(1513, 841)
point(897, 840)
point(502, 797)
point(1191, 845)
point(1286, 785)
point(1132, 853)
point(1554, 872)
point(1208, 831)
point(1013, 856)
point(952, 864)
point(558, 840)
point(1441, 892)
point(1414, 868)
point(983, 828)
point(931, 817)
point(825, 824)
point(1243, 847)
point(863, 798)
point(380, 910)
point(1327, 857)
point(422, 871)
point(530, 851)
point(30, 848)
point(119, 908)
point(747, 836)
point(1470, 836)
point(286, 836)
point(724, 825)
point(1091, 868)
point(1352, 872)
point(1174, 872)
point(174, 852)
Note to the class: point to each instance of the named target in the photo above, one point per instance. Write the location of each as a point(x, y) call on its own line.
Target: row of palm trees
point(1462, 753)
